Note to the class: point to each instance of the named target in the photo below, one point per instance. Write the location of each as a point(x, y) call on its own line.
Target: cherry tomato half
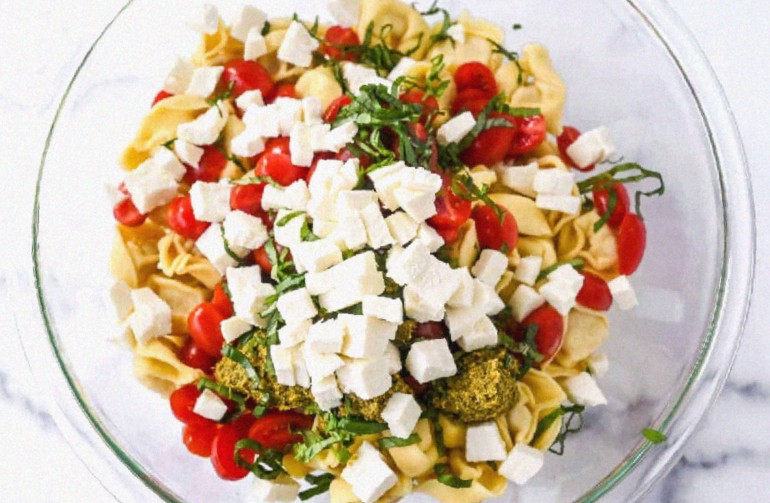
point(281, 145)
point(550, 330)
point(452, 211)
point(247, 76)
point(222, 302)
point(431, 330)
point(278, 429)
point(632, 241)
point(529, 134)
point(429, 105)
point(160, 97)
point(195, 357)
point(262, 260)
point(285, 90)
point(333, 110)
point(490, 147)
point(469, 96)
point(336, 40)
point(126, 213)
point(213, 162)
point(601, 202)
point(223, 449)
point(595, 293)
point(475, 75)
point(181, 218)
point(280, 168)
point(565, 140)
point(203, 325)
point(182, 402)
point(199, 440)
point(492, 233)
point(248, 198)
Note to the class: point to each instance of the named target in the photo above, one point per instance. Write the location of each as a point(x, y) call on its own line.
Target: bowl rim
point(714, 360)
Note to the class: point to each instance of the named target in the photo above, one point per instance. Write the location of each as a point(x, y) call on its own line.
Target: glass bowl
point(629, 64)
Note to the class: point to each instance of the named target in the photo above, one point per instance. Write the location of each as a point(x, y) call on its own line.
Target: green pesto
point(405, 332)
point(371, 410)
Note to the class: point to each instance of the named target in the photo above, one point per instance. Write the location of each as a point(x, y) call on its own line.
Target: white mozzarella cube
point(522, 463)
point(281, 490)
point(283, 363)
point(300, 145)
point(248, 144)
point(274, 198)
point(324, 228)
point(327, 393)
point(376, 227)
point(204, 81)
point(524, 301)
point(561, 296)
point(301, 375)
point(250, 99)
point(520, 178)
point(528, 270)
point(206, 128)
point(244, 230)
point(402, 413)
point(345, 12)
point(402, 227)
point(482, 334)
point(419, 205)
point(151, 317)
point(233, 328)
point(318, 134)
point(355, 200)
point(554, 182)
point(296, 306)
point(212, 246)
point(188, 153)
point(312, 111)
point(487, 298)
point(583, 390)
point(564, 204)
point(430, 360)
point(368, 475)
point(290, 233)
point(402, 68)
point(150, 187)
point(165, 160)
point(266, 120)
point(120, 295)
point(239, 279)
point(490, 266)
point(294, 197)
point(255, 46)
point(598, 364)
point(623, 293)
point(293, 334)
point(455, 129)
point(365, 378)
point(366, 337)
point(339, 137)
point(420, 307)
point(321, 365)
point(247, 19)
point(179, 77)
point(350, 294)
point(407, 266)
point(483, 442)
point(352, 231)
point(210, 201)
point(358, 76)
point(206, 20)
point(252, 302)
point(383, 308)
point(297, 46)
point(429, 237)
point(289, 113)
point(461, 320)
point(326, 337)
point(316, 256)
point(568, 275)
point(463, 294)
point(592, 147)
point(210, 406)
point(393, 358)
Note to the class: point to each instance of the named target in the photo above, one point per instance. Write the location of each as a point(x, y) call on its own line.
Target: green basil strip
point(361, 427)
point(386, 443)
point(612, 202)
point(268, 464)
point(288, 218)
point(446, 478)
point(577, 263)
point(320, 485)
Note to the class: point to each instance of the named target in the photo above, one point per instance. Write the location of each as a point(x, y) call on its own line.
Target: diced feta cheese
point(366, 378)
point(120, 295)
point(252, 302)
point(212, 246)
point(326, 393)
point(461, 320)
point(352, 231)
point(318, 134)
point(151, 317)
point(352, 292)
point(401, 413)
point(528, 270)
point(355, 200)
point(298, 46)
point(457, 32)
point(300, 145)
point(233, 328)
point(568, 275)
point(565, 204)
point(376, 227)
point(255, 46)
point(165, 160)
point(554, 182)
point(312, 111)
point(418, 204)
point(430, 360)
point(241, 278)
point(623, 293)
point(358, 76)
point(283, 363)
point(401, 69)
point(204, 81)
point(289, 112)
point(598, 364)
point(490, 266)
point(248, 18)
point(393, 357)
point(561, 296)
point(383, 308)
point(324, 228)
point(321, 365)
point(485, 296)
point(455, 129)
point(366, 337)
point(483, 442)
point(250, 99)
point(294, 197)
point(296, 306)
point(407, 266)
point(206, 20)
point(482, 334)
point(420, 307)
point(206, 128)
point(520, 178)
point(281, 490)
point(244, 230)
point(290, 233)
point(345, 12)
point(265, 120)
point(429, 237)
point(592, 147)
point(248, 144)
point(293, 334)
point(368, 475)
point(316, 256)
point(463, 294)
point(522, 464)
point(150, 187)
point(210, 406)
point(583, 390)
point(326, 337)
point(524, 301)
point(210, 201)
point(301, 375)
point(179, 77)
point(339, 137)
point(188, 153)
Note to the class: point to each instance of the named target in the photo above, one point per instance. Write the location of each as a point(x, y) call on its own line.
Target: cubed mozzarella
point(247, 19)
point(366, 337)
point(463, 294)
point(339, 137)
point(300, 145)
point(345, 12)
point(401, 413)
point(212, 245)
point(297, 46)
point(327, 393)
point(490, 266)
point(204, 81)
point(283, 363)
point(294, 197)
point(358, 76)
point(248, 144)
point(239, 279)
point(623, 293)
point(296, 306)
point(188, 153)
point(430, 360)
point(250, 99)
point(324, 228)
point(312, 111)
point(293, 334)
point(461, 320)
point(376, 227)
point(301, 375)
point(367, 379)
point(483, 442)
point(316, 256)
point(255, 46)
point(583, 390)
point(150, 187)
point(290, 233)
point(252, 302)
point(524, 301)
point(429, 237)
point(592, 147)
point(420, 307)
point(522, 463)
point(457, 33)
point(406, 266)
point(352, 292)
point(206, 128)
point(281, 490)
point(560, 295)
point(326, 337)
point(321, 365)
point(528, 270)
point(120, 295)
point(568, 275)
point(289, 112)
point(151, 317)
point(355, 200)
point(393, 357)
point(352, 231)
point(368, 475)
point(383, 308)
point(487, 298)
point(206, 20)
point(233, 329)
point(482, 334)
point(520, 178)
point(598, 364)
point(265, 120)
point(210, 406)
point(165, 160)
point(244, 230)
point(318, 134)
point(419, 205)
point(455, 129)
point(179, 77)
point(210, 201)
point(564, 204)
point(554, 182)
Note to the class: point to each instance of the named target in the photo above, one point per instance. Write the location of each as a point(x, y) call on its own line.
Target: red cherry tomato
point(182, 402)
point(199, 440)
point(262, 260)
point(277, 430)
point(493, 234)
point(452, 212)
point(195, 357)
point(223, 449)
point(569, 136)
point(469, 96)
point(203, 325)
point(126, 213)
point(345, 155)
point(181, 219)
point(213, 162)
point(601, 202)
point(550, 330)
point(490, 147)
point(529, 134)
point(595, 294)
point(416, 386)
point(222, 302)
point(280, 145)
point(431, 330)
point(160, 97)
point(475, 75)
point(337, 38)
point(429, 105)
point(632, 241)
point(449, 234)
point(248, 198)
point(280, 168)
point(285, 90)
point(247, 76)
point(333, 110)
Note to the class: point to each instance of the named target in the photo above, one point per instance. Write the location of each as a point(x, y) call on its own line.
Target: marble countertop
point(728, 456)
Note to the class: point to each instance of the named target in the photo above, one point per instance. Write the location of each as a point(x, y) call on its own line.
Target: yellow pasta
point(585, 333)
point(404, 28)
point(157, 367)
point(476, 47)
point(417, 459)
point(181, 297)
point(176, 257)
point(218, 48)
point(531, 219)
point(542, 87)
point(319, 82)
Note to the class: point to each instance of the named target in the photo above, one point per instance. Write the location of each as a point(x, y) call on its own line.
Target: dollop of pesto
point(371, 410)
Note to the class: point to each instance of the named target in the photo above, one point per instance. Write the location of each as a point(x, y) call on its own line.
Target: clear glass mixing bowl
point(629, 64)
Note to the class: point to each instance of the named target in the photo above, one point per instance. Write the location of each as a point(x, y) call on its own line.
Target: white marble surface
point(727, 459)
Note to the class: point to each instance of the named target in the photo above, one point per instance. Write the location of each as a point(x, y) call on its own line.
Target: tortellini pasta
point(541, 87)
point(157, 366)
point(397, 23)
point(476, 47)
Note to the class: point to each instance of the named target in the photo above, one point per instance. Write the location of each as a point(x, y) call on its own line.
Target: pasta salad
point(369, 259)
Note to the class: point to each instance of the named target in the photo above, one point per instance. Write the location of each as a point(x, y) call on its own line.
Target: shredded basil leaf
point(577, 263)
point(361, 427)
point(446, 478)
point(637, 173)
point(386, 443)
point(320, 484)
point(268, 464)
point(572, 413)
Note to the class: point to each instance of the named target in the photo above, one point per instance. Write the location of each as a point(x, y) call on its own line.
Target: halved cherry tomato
point(277, 430)
point(223, 449)
point(160, 97)
point(126, 213)
point(452, 212)
point(594, 294)
point(333, 110)
point(247, 76)
point(601, 202)
point(182, 402)
point(285, 90)
point(492, 233)
point(281, 145)
point(632, 241)
point(336, 39)
point(449, 234)
point(181, 219)
point(345, 155)
point(475, 75)
point(429, 105)
point(203, 325)
point(262, 260)
point(199, 440)
point(565, 140)
point(195, 357)
point(490, 147)
point(280, 168)
point(431, 330)
point(248, 198)
point(550, 330)
point(213, 162)
point(222, 302)
point(529, 134)
point(468, 96)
